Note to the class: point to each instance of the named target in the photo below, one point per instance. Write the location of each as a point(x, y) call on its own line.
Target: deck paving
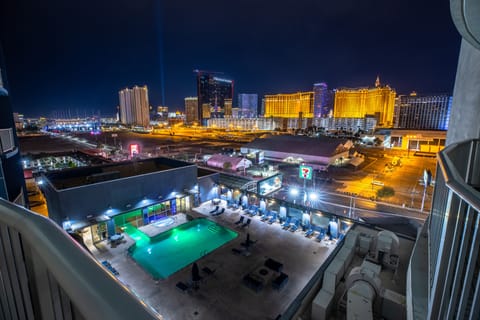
point(223, 295)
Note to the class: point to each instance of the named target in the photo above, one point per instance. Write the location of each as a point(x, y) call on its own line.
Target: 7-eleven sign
point(305, 172)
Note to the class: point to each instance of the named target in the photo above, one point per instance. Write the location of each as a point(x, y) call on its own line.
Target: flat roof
point(202, 172)
point(234, 182)
point(319, 146)
point(76, 177)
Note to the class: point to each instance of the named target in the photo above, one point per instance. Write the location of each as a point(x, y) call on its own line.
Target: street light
point(294, 192)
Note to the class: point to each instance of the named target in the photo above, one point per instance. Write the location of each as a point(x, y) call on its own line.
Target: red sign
point(134, 149)
point(305, 172)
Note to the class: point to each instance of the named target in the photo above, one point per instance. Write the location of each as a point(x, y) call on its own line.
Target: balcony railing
point(447, 255)
point(45, 274)
point(460, 165)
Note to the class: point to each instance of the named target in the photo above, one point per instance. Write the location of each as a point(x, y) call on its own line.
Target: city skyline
point(66, 62)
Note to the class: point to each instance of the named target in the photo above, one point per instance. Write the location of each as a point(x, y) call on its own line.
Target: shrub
point(385, 192)
point(227, 165)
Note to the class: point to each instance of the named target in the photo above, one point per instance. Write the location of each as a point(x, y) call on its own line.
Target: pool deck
point(223, 295)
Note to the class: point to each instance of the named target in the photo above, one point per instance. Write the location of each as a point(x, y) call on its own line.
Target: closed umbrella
point(195, 272)
point(195, 275)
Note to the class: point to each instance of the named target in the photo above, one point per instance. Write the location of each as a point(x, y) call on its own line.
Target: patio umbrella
point(247, 243)
point(195, 273)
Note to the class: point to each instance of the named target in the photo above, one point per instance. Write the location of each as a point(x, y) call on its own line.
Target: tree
point(385, 192)
point(227, 165)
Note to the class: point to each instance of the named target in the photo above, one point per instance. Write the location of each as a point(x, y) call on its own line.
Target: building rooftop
point(233, 181)
point(82, 176)
point(369, 257)
point(223, 294)
point(321, 146)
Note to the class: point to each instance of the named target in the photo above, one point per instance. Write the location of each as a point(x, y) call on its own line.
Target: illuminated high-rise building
point(357, 103)
point(228, 107)
point(248, 105)
point(19, 120)
point(134, 106)
point(214, 96)
point(289, 105)
point(191, 110)
point(422, 112)
point(322, 100)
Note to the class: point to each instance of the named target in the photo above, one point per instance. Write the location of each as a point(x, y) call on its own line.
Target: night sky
point(74, 56)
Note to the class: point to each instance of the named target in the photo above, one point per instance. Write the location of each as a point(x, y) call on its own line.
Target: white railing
point(45, 274)
point(447, 266)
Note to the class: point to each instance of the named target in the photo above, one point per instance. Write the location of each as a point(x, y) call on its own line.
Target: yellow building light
point(357, 103)
point(290, 105)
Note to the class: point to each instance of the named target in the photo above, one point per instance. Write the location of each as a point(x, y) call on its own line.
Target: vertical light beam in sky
point(159, 25)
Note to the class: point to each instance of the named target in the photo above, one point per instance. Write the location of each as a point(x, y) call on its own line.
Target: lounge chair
point(246, 224)
point(286, 224)
point(265, 216)
point(219, 212)
point(321, 235)
point(214, 210)
point(240, 220)
point(109, 267)
point(208, 271)
point(182, 286)
point(309, 232)
point(236, 251)
point(294, 227)
point(114, 271)
point(273, 219)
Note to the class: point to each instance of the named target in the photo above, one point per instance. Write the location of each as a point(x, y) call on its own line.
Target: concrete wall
point(206, 187)
point(465, 113)
point(94, 199)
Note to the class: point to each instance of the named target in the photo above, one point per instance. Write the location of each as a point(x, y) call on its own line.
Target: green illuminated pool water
point(172, 250)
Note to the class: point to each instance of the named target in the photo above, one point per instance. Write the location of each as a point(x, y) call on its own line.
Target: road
point(348, 206)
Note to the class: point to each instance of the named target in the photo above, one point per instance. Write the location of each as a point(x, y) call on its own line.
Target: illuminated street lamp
point(294, 192)
point(313, 196)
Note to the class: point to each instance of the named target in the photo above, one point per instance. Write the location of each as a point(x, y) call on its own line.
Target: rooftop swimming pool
point(172, 250)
